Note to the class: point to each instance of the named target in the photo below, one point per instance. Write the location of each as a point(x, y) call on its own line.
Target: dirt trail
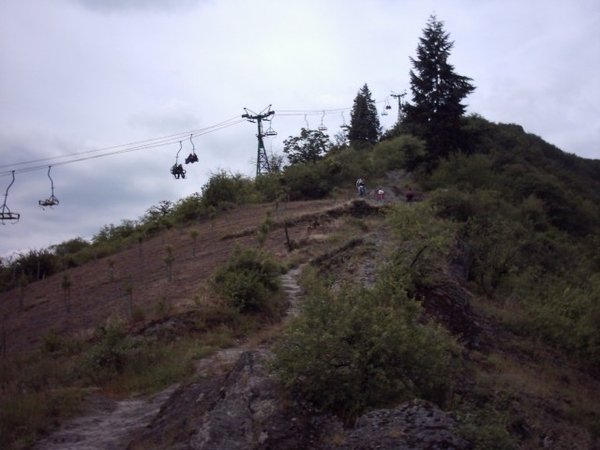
point(109, 424)
point(106, 424)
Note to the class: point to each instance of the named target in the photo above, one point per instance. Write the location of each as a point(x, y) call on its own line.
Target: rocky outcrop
point(248, 409)
point(448, 303)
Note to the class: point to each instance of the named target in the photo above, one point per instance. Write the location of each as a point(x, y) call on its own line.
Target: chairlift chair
point(322, 127)
point(5, 212)
point(192, 157)
point(52, 200)
point(177, 169)
point(386, 108)
point(343, 126)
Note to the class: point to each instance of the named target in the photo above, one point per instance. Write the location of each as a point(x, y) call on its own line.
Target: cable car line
point(42, 163)
point(119, 149)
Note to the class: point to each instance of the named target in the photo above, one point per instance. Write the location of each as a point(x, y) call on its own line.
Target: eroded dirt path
point(109, 424)
point(106, 424)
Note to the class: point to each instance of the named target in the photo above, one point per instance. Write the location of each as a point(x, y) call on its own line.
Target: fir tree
point(437, 92)
point(364, 120)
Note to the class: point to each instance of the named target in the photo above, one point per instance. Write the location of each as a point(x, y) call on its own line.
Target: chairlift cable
point(170, 139)
point(140, 145)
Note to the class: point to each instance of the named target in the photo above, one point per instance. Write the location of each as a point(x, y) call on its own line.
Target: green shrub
point(249, 281)
point(224, 188)
point(425, 243)
point(270, 187)
point(107, 354)
point(483, 434)
point(398, 153)
point(188, 209)
point(359, 348)
point(307, 181)
point(465, 173)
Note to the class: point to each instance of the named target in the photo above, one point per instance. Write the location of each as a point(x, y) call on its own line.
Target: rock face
point(449, 304)
point(413, 425)
point(248, 409)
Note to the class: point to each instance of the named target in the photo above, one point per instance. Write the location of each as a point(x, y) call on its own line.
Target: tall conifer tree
point(437, 93)
point(364, 120)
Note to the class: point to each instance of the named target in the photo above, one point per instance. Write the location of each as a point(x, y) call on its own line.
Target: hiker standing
point(409, 195)
point(360, 185)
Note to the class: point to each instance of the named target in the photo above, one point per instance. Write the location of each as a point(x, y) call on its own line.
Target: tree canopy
point(309, 147)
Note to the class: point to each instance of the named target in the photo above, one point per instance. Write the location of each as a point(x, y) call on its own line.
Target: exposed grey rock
point(108, 424)
point(248, 409)
point(415, 425)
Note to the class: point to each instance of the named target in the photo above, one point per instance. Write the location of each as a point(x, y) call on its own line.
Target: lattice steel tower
point(262, 162)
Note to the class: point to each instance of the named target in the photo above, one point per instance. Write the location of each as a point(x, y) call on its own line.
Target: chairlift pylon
point(52, 200)
point(192, 157)
point(5, 212)
point(177, 169)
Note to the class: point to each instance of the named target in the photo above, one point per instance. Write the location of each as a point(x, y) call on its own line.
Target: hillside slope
point(519, 221)
point(532, 395)
point(96, 294)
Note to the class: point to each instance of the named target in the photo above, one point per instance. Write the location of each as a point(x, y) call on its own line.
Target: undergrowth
point(39, 391)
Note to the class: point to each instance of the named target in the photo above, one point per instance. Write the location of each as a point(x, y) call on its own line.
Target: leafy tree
point(364, 120)
point(276, 162)
point(310, 147)
point(34, 265)
point(437, 92)
point(163, 209)
point(70, 246)
point(113, 232)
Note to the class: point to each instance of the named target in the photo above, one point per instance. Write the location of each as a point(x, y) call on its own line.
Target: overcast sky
point(90, 77)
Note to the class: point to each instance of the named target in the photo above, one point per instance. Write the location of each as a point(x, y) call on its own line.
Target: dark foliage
point(365, 128)
point(310, 147)
point(437, 93)
point(249, 281)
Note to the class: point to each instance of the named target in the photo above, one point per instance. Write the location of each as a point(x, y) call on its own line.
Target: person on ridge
point(409, 195)
point(360, 185)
